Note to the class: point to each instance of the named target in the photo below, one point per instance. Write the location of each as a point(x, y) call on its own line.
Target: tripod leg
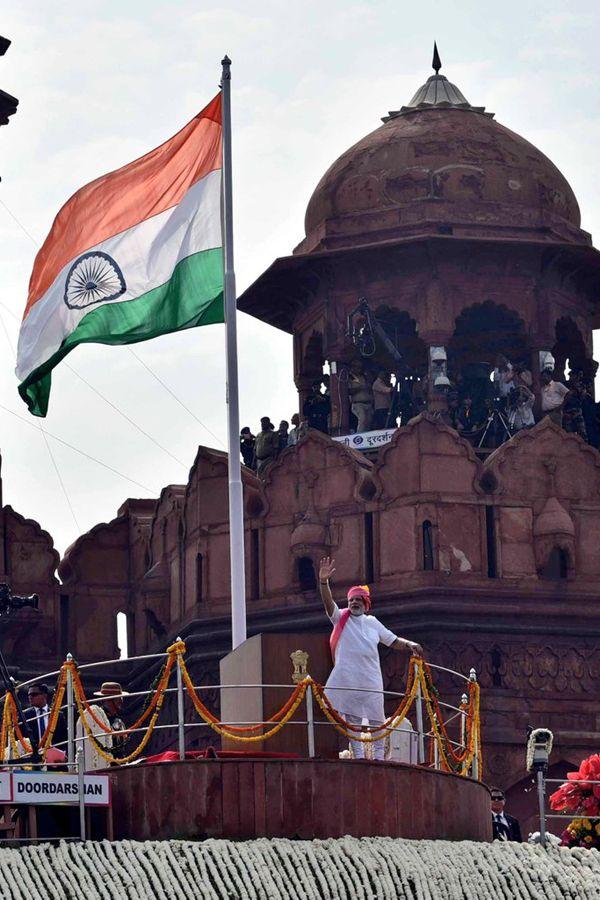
point(484, 435)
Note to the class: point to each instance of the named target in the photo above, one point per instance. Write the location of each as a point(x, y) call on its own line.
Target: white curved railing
point(456, 712)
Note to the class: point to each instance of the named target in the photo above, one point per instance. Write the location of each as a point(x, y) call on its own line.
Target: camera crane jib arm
point(363, 327)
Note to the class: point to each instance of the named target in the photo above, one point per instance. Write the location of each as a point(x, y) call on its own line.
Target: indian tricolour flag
point(134, 254)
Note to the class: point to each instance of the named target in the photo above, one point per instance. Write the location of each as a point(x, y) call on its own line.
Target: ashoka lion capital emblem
point(300, 661)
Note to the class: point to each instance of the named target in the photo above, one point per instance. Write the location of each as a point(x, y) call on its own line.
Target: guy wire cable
point(153, 491)
point(181, 403)
point(49, 449)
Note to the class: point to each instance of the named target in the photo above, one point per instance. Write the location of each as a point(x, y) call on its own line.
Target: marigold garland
point(450, 759)
point(210, 719)
point(377, 733)
point(114, 760)
point(4, 726)
point(391, 722)
point(160, 689)
point(83, 706)
point(447, 753)
point(462, 760)
point(11, 730)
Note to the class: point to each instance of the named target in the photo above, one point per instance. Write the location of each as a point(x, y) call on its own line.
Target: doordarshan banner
point(367, 440)
point(40, 788)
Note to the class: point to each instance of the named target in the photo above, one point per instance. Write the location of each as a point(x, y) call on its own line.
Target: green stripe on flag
point(192, 296)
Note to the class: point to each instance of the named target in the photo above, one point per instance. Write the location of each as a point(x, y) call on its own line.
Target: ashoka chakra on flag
point(92, 278)
point(135, 254)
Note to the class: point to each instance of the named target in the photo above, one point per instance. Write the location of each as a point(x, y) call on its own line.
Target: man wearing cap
point(504, 827)
point(266, 445)
point(109, 714)
point(354, 641)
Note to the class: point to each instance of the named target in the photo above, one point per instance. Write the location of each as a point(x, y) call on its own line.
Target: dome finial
point(436, 64)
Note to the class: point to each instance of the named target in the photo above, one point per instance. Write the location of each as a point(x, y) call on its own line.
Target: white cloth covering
point(553, 395)
point(357, 666)
point(92, 759)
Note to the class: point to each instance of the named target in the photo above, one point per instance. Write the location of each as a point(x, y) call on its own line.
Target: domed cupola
point(440, 165)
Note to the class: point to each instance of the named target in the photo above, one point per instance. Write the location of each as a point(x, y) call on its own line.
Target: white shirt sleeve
point(336, 614)
point(386, 636)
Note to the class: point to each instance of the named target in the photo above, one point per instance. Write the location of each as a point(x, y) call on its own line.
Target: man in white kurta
point(354, 642)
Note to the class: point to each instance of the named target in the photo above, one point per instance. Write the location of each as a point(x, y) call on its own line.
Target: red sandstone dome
point(440, 165)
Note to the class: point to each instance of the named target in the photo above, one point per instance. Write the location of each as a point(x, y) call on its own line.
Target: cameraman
point(503, 378)
point(521, 414)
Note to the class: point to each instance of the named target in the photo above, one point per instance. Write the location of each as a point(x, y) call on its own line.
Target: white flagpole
point(236, 497)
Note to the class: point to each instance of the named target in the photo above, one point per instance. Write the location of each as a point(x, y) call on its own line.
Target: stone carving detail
point(519, 668)
point(499, 763)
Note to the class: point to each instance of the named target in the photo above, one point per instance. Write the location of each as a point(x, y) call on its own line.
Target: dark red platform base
point(296, 798)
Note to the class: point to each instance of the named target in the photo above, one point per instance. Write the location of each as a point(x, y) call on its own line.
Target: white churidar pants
point(358, 747)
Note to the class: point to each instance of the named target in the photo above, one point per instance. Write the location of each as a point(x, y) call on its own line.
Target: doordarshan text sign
point(58, 788)
point(367, 440)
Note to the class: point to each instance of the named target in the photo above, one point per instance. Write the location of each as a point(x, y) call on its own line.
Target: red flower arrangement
point(579, 795)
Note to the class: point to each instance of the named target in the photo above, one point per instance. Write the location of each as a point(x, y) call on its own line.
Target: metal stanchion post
point(180, 711)
point(419, 708)
point(463, 720)
point(310, 723)
point(81, 790)
point(541, 791)
point(475, 766)
point(70, 718)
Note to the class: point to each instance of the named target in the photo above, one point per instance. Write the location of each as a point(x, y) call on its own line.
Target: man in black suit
point(52, 821)
point(505, 827)
point(37, 715)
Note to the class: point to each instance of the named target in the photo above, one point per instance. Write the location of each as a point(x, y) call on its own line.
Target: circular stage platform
point(296, 798)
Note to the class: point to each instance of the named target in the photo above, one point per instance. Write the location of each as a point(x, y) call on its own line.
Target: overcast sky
point(100, 84)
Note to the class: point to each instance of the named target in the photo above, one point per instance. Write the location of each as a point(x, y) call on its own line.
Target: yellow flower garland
point(83, 706)
point(376, 734)
point(115, 760)
point(10, 730)
point(220, 729)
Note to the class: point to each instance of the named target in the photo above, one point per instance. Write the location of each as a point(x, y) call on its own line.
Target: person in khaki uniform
point(266, 445)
